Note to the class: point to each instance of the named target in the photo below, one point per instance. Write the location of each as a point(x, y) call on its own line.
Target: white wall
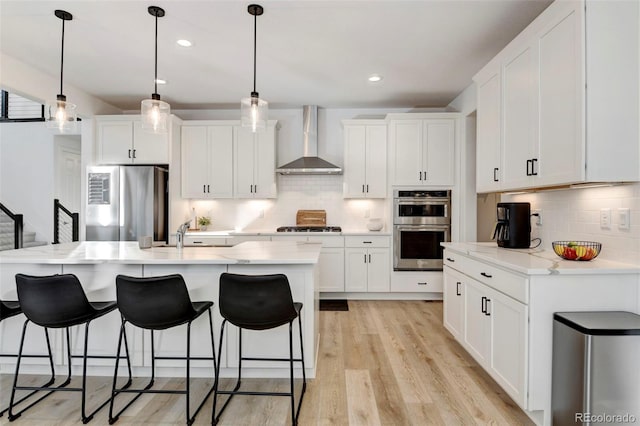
point(27, 175)
point(574, 214)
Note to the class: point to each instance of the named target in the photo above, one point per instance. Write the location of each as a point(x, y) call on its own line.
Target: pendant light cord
point(155, 80)
point(62, 57)
point(255, 38)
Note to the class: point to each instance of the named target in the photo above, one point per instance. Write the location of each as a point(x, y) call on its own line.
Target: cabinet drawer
point(192, 240)
point(366, 241)
point(327, 241)
point(416, 282)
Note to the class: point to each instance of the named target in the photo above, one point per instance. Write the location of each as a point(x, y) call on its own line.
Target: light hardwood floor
point(380, 363)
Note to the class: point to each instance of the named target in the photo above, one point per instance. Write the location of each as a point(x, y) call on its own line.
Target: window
point(15, 108)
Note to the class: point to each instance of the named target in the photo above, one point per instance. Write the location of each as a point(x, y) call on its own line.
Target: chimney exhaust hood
point(309, 163)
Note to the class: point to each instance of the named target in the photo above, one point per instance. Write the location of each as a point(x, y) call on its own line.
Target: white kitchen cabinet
point(489, 130)
point(254, 162)
point(422, 149)
point(570, 101)
point(207, 161)
point(520, 117)
point(365, 165)
point(453, 302)
point(331, 262)
point(121, 140)
point(416, 282)
point(367, 262)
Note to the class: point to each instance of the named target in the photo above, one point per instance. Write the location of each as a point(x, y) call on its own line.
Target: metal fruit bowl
point(577, 250)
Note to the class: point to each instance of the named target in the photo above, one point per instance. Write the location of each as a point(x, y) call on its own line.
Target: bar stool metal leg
point(52, 379)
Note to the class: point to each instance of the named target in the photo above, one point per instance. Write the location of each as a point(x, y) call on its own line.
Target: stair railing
point(18, 226)
point(61, 217)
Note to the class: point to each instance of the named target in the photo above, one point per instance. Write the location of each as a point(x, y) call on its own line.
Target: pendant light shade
point(253, 110)
point(60, 114)
point(155, 112)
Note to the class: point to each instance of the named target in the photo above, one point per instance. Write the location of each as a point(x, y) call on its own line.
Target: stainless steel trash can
point(596, 368)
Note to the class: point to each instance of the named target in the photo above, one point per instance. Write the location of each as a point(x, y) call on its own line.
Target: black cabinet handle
point(486, 307)
point(208, 188)
point(484, 274)
point(134, 153)
point(367, 188)
point(425, 175)
point(422, 283)
point(365, 258)
point(495, 174)
point(197, 242)
point(534, 161)
point(458, 289)
point(129, 153)
point(363, 188)
point(255, 189)
point(204, 188)
point(369, 258)
point(529, 163)
point(366, 242)
point(450, 259)
point(483, 308)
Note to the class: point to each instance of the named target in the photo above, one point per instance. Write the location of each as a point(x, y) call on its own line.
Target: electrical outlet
point(623, 218)
point(605, 218)
point(537, 214)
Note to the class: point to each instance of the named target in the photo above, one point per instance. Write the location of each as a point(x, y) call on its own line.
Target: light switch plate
point(605, 218)
point(623, 218)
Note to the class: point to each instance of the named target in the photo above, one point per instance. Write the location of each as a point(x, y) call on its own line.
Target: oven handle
point(422, 227)
point(423, 201)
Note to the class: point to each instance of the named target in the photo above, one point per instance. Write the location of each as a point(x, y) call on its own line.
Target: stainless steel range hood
point(309, 163)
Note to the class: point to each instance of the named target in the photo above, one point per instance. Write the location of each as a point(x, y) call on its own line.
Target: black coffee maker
point(513, 229)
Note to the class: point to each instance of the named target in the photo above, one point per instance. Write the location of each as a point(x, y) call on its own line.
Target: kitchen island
point(97, 264)
point(499, 305)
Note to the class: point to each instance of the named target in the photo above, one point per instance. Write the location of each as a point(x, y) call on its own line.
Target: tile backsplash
point(295, 192)
point(574, 214)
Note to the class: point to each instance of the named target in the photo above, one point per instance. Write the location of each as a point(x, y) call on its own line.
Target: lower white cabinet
point(331, 261)
point(416, 282)
point(491, 326)
point(453, 295)
point(367, 262)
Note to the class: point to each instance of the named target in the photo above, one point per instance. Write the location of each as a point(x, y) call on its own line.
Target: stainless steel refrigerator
point(127, 202)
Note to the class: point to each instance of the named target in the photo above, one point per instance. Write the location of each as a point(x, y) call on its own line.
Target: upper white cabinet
point(365, 165)
point(422, 149)
point(207, 160)
point(489, 129)
point(563, 102)
point(254, 162)
point(121, 140)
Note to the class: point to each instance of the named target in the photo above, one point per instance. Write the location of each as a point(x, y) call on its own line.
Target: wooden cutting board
point(311, 218)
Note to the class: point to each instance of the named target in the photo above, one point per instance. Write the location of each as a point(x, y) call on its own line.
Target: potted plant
point(204, 221)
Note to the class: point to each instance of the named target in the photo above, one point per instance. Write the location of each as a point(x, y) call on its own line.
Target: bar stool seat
point(259, 302)
point(57, 301)
point(159, 303)
point(9, 308)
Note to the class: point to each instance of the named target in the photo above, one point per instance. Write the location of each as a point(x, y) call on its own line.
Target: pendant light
point(155, 113)
point(61, 115)
point(254, 110)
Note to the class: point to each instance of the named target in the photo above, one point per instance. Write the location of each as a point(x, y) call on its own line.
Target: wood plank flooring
point(380, 363)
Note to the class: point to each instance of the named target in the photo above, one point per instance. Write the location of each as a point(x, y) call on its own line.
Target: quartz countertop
point(539, 261)
point(126, 252)
point(232, 233)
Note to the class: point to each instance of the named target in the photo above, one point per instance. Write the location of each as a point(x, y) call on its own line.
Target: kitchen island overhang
point(98, 263)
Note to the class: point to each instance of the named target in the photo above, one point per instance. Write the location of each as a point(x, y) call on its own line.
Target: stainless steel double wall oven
point(421, 221)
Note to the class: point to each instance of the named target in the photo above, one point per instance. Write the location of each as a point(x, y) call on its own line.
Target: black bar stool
point(57, 301)
point(158, 303)
point(11, 308)
point(258, 302)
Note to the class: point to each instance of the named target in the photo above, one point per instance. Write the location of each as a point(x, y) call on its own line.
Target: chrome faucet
point(180, 234)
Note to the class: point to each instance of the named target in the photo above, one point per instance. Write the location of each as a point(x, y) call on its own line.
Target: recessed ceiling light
point(161, 81)
point(184, 43)
point(374, 78)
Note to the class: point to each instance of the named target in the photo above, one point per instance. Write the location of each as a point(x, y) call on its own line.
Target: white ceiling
point(309, 52)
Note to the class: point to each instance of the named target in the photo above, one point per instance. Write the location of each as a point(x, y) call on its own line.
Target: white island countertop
point(126, 252)
point(539, 261)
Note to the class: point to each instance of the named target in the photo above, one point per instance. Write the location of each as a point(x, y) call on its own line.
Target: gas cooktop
point(309, 229)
